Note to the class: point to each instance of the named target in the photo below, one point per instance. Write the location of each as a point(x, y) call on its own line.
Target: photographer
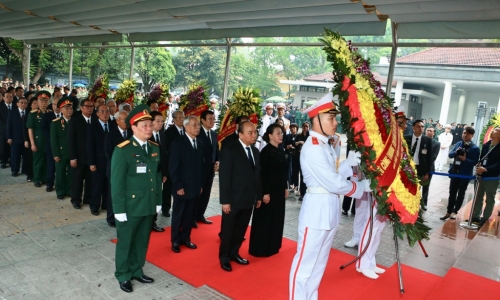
point(465, 155)
point(488, 166)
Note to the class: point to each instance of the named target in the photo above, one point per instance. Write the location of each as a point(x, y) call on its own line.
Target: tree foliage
point(154, 65)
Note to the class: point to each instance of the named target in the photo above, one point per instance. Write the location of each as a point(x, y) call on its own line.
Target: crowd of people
point(136, 163)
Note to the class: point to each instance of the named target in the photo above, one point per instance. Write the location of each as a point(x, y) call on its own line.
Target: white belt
point(317, 190)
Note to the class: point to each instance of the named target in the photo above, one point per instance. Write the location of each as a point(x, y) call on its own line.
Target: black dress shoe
point(38, 184)
point(94, 212)
point(189, 245)
point(226, 266)
point(49, 189)
point(144, 279)
point(205, 221)
point(157, 228)
point(195, 225)
point(14, 174)
point(111, 224)
point(126, 286)
point(240, 260)
point(60, 197)
point(29, 179)
point(76, 205)
point(176, 248)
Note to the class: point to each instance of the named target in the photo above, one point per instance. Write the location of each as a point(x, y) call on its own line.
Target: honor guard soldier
point(320, 212)
point(59, 144)
point(37, 139)
point(136, 197)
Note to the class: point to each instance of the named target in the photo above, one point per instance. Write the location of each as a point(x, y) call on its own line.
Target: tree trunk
point(38, 75)
point(26, 64)
point(95, 69)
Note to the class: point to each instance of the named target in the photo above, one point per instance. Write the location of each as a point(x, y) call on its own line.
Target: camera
point(460, 152)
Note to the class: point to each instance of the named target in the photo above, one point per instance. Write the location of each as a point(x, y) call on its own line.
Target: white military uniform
point(320, 213)
point(445, 138)
point(266, 121)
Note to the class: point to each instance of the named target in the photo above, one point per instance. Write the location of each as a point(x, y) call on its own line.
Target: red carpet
point(458, 284)
point(267, 278)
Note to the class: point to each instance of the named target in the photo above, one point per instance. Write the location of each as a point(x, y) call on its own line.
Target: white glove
point(366, 185)
point(121, 217)
point(354, 158)
point(158, 209)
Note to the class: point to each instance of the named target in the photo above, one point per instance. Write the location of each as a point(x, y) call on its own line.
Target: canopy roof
point(72, 21)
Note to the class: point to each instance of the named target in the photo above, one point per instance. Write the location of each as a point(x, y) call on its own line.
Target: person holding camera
point(488, 166)
point(465, 155)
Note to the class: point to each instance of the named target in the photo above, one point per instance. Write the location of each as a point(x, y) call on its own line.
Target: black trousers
point(80, 179)
point(167, 196)
point(110, 215)
point(425, 191)
point(4, 149)
point(202, 202)
point(28, 163)
point(99, 186)
point(234, 227)
point(295, 169)
point(51, 169)
point(16, 152)
point(458, 186)
point(182, 219)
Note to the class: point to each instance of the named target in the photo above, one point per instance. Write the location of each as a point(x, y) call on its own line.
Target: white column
point(461, 105)
point(445, 106)
point(498, 107)
point(398, 93)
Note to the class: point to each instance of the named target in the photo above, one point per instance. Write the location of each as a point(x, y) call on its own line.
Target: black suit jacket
point(113, 138)
point(96, 139)
point(436, 146)
point(424, 155)
point(16, 127)
point(230, 139)
point(77, 138)
point(163, 146)
point(186, 167)
point(4, 115)
point(239, 183)
point(171, 134)
point(211, 151)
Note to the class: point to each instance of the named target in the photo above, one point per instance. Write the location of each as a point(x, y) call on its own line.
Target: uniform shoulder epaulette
point(56, 119)
point(123, 144)
point(34, 111)
point(154, 143)
point(314, 140)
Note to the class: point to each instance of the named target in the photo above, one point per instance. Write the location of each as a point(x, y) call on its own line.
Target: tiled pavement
point(48, 250)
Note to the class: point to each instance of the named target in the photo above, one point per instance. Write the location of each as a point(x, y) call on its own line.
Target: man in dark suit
point(16, 124)
point(46, 121)
point(211, 162)
point(156, 138)
point(112, 110)
point(420, 150)
point(233, 137)
point(185, 167)
point(6, 107)
point(240, 189)
point(77, 142)
point(172, 133)
point(116, 136)
point(435, 151)
point(96, 159)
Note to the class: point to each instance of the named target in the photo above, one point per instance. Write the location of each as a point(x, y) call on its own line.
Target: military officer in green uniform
point(37, 139)
point(59, 145)
point(136, 196)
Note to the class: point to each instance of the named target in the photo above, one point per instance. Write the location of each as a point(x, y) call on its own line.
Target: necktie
point(180, 132)
point(22, 114)
point(209, 137)
point(250, 157)
point(88, 121)
point(194, 144)
point(144, 147)
point(105, 127)
point(125, 134)
point(8, 106)
point(414, 147)
point(157, 138)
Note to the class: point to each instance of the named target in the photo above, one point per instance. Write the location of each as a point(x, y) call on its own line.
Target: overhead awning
point(73, 21)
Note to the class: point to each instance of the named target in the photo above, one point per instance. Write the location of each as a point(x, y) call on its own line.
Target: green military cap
point(65, 100)
point(139, 113)
point(42, 95)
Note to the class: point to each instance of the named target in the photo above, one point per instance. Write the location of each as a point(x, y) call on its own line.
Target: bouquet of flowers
point(126, 92)
point(246, 102)
point(373, 131)
point(100, 88)
point(195, 101)
point(159, 93)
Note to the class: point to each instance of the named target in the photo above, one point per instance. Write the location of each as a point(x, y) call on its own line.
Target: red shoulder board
point(314, 140)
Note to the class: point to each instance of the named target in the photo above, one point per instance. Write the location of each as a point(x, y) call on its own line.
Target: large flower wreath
point(159, 93)
point(126, 92)
point(246, 102)
point(100, 88)
point(195, 101)
point(372, 130)
point(488, 128)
